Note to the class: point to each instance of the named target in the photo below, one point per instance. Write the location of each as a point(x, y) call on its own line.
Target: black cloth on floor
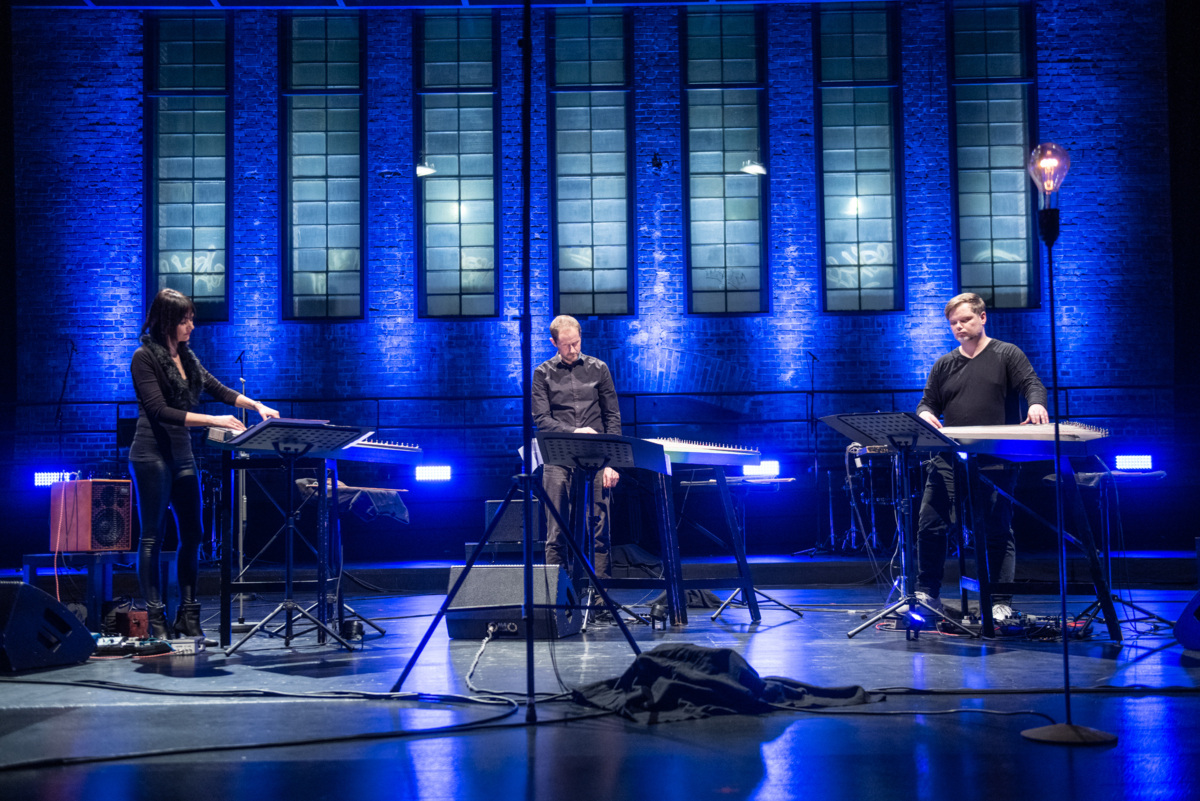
point(681, 681)
point(696, 599)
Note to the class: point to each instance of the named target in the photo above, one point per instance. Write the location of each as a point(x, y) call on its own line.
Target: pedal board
point(1036, 627)
point(117, 646)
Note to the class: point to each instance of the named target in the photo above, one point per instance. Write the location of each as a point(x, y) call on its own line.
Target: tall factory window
point(323, 111)
point(590, 186)
point(992, 85)
point(857, 102)
point(727, 184)
point(458, 216)
point(187, 89)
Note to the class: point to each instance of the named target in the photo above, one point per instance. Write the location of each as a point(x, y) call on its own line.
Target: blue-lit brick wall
point(77, 122)
point(454, 386)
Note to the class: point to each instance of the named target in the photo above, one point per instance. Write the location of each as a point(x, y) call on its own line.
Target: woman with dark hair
point(168, 380)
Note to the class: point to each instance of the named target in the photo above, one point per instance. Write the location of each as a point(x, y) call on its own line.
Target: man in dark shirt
point(976, 384)
point(574, 393)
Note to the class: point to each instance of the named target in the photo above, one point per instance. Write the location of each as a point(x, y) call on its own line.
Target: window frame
point(553, 89)
point(1029, 80)
point(420, 91)
point(151, 92)
point(285, 178)
point(761, 87)
point(895, 100)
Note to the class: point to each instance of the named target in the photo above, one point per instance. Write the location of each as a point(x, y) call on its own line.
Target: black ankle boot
point(187, 622)
point(157, 618)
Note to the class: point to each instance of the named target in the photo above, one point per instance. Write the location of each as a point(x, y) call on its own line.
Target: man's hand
point(931, 418)
point(611, 477)
point(586, 430)
point(1037, 414)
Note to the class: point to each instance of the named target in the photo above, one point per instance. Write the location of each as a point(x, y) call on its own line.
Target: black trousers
point(557, 481)
point(939, 514)
point(159, 485)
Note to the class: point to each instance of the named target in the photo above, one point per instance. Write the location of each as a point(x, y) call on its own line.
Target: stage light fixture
point(44, 478)
point(425, 167)
point(1135, 462)
point(765, 469)
point(433, 472)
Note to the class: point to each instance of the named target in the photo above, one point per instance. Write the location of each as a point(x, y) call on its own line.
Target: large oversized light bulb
point(1048, 167)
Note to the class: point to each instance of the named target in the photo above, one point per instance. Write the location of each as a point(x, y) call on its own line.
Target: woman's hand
point(265, 411)
point(226, 421)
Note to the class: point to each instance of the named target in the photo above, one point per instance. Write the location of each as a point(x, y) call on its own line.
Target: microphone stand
point(239, 489)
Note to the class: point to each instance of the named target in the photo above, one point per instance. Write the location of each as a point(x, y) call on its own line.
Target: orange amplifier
point(91, 515)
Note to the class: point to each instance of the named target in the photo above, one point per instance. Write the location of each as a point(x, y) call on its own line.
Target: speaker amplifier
point(91, 515)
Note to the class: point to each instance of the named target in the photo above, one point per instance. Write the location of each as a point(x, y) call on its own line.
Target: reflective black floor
point(1144, 690)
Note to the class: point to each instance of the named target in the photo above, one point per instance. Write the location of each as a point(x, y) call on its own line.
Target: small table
point(99, 566)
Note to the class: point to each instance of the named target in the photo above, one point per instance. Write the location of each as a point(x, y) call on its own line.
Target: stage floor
point(1145, 691)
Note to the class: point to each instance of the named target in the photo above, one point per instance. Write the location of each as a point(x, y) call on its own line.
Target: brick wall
point(454, 386)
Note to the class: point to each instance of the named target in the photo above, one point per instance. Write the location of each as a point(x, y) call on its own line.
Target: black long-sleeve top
point(578, 395)
point(982, 391)
point(161, 430)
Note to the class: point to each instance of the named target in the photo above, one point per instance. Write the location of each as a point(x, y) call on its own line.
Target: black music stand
point(905, 432)
point(525, 483)
point(292, 440)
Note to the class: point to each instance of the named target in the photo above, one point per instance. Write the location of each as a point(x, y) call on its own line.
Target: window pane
point(988, 40)
point(324, 222)
point(458, 50)
point(325, 53)
point(994, 230)
point(859, 228)
point(188, 162)
point(724, 208)
point(589, 47)
point(722, 46)
point(725, 212)
point(859, 198)
point(855, 42)
point(592, 269)
point(458, 206)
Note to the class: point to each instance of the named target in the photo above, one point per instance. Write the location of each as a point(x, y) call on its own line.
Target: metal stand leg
point(288, 606)
point(908, 597)
point(738, 593)
point(518, 482)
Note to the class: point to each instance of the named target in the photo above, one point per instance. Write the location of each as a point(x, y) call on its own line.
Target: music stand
point(292, 440)
point(906, 432)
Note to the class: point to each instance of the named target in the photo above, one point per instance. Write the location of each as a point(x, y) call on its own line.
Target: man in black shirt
point(976, 384)
point(574, 393)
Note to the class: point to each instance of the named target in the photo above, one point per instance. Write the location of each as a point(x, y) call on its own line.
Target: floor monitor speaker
point(37, 631)
point(501, 586)
point(1187, 629)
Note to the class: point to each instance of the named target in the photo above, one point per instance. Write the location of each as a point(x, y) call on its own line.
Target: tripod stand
point(583, 533)
point(526, 484)
point(903, 431)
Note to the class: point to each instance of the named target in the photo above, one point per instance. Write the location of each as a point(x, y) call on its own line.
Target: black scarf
point(179, 394)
